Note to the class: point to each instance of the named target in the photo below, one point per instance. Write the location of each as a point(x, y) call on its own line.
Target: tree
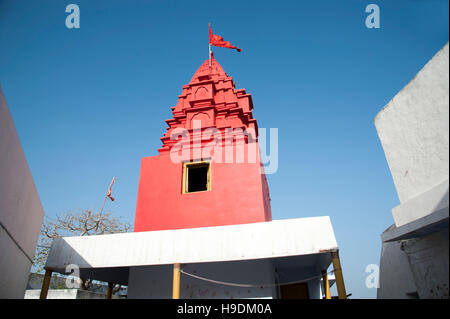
point(86, 223)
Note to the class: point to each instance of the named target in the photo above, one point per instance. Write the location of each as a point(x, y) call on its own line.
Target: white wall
point(395, 279)
point(414, 131)
point(415, 268)
point(52, 294)
point(21, 212)
point(156, 281)
point(67, 294)
point(428, 257)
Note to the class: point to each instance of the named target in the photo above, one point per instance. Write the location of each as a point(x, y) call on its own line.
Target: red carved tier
point(212, 98)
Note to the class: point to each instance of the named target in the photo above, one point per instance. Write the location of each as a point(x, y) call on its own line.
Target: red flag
point(218, 41)
point(108, 194)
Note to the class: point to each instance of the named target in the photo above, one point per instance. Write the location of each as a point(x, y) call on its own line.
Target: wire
point(251, 285)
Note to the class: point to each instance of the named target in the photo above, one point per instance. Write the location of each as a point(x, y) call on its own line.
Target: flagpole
point(104, 201)
point(108, 192)
point(210, 55)
point(209, 43)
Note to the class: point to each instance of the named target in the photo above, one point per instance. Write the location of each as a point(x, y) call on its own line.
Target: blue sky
point(89, 103)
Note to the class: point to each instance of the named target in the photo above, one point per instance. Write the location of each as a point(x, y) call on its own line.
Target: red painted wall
point(236, 196)
point(239, 192)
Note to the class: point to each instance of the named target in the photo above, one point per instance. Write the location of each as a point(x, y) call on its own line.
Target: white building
point(414, 131)
point(257, 260)
point(21, 212)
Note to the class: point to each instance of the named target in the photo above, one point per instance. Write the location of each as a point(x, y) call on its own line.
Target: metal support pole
point(176, 281)
point(210, 62)
point(326, 284)
point(342, 294)
point(45, 284)
point(109, 290)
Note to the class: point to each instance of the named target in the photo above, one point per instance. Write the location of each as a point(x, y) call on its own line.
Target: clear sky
point(89, 103)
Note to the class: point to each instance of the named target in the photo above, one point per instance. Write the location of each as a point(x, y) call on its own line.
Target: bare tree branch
point(85, 223)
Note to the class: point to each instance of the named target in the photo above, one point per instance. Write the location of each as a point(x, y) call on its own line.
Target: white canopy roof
point(279, 238)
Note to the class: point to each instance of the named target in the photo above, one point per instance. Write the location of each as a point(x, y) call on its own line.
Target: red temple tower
point(208, 171)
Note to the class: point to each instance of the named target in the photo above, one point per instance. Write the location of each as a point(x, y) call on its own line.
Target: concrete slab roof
point(421, 227)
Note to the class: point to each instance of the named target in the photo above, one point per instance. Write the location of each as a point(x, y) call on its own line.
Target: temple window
point(196, 177)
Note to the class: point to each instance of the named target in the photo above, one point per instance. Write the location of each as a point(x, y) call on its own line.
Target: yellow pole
point(342, 294)
point(45, 284)
point(326, 284)
point(109, 290)
point(176, 281)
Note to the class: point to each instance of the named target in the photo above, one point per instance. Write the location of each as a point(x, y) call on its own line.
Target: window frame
point(185, 180)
